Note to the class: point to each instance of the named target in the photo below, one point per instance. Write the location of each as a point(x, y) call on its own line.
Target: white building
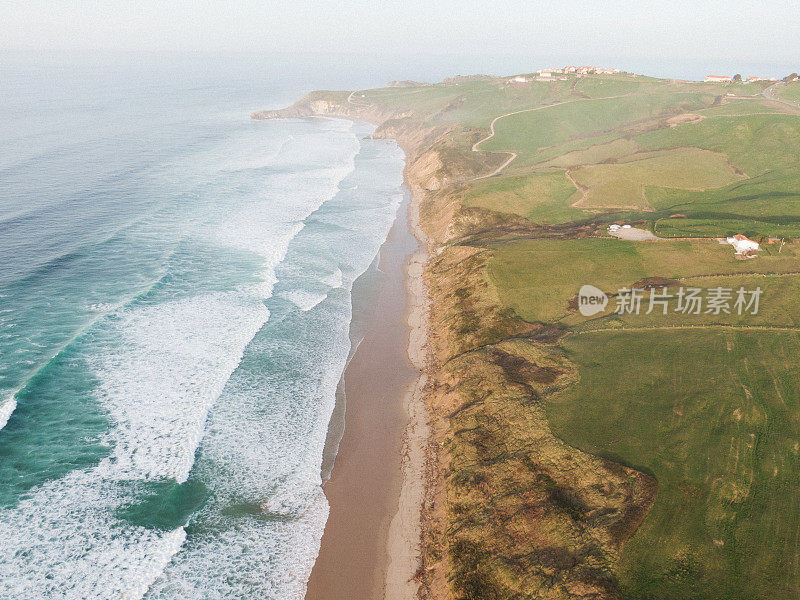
point(742, 244)
point(520, 79)
point(718, 78)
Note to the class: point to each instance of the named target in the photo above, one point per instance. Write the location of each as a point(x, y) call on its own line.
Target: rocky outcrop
point(312, 105)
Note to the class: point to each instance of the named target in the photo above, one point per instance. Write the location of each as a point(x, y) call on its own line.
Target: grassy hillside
point(540, 197)
point(722, 441)
point(527, 133)
point(727, 164)
point(790, 92)
point(634, 456)
point(538, 278)
point(625, 183)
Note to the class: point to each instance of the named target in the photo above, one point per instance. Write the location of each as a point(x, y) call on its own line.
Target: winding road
point(769, 95)
point(513, 155)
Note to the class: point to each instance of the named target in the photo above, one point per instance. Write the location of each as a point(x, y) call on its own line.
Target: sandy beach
point(369, 548)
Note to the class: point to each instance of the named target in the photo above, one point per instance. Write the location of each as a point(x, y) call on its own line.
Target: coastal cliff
point(509, 510)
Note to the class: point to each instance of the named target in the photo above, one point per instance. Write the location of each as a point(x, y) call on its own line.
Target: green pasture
point(623, 183)
point(541, 197)
point(715, 417)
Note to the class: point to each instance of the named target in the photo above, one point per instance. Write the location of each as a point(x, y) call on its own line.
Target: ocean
point(175, 311)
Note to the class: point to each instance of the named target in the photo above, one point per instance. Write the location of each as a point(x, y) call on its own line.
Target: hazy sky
point(766, 31)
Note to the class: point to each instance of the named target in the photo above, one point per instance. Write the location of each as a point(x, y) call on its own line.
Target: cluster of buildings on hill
point(728, 79)
point(560, 74)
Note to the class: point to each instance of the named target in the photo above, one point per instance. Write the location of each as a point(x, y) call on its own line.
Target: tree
point(737, 78)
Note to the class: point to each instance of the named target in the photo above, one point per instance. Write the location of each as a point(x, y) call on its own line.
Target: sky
point(708, 34)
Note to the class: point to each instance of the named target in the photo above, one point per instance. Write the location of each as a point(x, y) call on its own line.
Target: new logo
point(591, 300)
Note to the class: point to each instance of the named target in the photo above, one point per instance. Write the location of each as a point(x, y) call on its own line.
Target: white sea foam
point(164, 364)
point(265, 436)
point(263, 156)
point(64, 542)
point(303, 299)
point(249, 559)
point(263, 445)
point(6, 408)
point(161, 365)
point(334, 279)
point(168, 376)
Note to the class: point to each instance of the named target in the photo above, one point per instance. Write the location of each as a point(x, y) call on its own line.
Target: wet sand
point(374, 489)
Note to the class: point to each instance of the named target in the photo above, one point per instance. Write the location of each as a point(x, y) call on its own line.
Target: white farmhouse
point(742, 244)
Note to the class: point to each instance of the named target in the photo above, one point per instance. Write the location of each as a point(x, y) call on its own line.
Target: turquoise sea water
point(175, 302)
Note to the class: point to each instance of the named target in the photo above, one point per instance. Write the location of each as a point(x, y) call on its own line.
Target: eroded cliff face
point(510, 511)
point(513, 511)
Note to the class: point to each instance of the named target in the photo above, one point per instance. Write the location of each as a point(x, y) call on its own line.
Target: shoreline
point(405, 534)
point(370, 545)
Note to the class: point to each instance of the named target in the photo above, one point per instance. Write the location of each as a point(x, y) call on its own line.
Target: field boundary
point(720, 326)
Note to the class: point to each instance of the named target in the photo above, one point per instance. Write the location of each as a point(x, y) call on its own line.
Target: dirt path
point(357, 103)
point(583, 190)
point(514, 155)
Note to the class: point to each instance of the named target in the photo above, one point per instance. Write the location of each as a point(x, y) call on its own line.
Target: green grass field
point(712, 412)
point(537, 278)
point(596, 154)
point(529, 132)
point(762, 146)
point(599, 126)
point(723, 442)
point(541, 197)
point(790, 92)
point(749, 182)
point(741, 108)
point(473, 103)
point(596, 125)
point(624, 183)
point(755, 143)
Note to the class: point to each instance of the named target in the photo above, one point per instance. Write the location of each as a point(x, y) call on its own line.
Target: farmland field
point(721, 440)
point(529, 132)
point(624, 183)
point(725, 166)
point(541, 197)
point(536, 278)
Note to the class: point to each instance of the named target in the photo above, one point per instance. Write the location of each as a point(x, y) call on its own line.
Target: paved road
point(770, 95)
